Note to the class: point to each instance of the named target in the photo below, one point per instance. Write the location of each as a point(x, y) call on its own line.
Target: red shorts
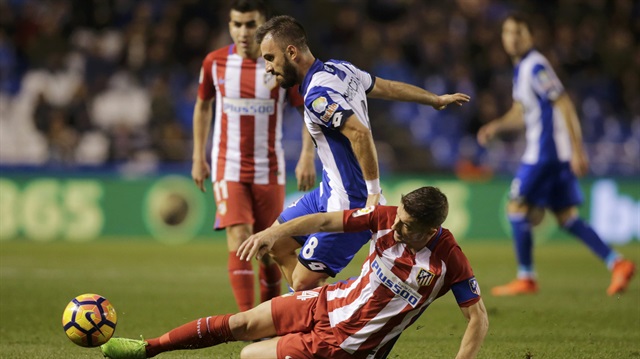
point(256, 204)
point(303, 325)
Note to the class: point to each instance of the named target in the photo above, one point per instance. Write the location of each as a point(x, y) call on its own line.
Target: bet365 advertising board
point(170, 209)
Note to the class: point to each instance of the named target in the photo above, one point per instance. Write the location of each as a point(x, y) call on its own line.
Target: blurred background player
point(553, 157)
point(247, 170)
point(335, 99)
point(413, 261)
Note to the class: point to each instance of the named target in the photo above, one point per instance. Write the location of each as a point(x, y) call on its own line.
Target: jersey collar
point(434, 241)
point(317, 66)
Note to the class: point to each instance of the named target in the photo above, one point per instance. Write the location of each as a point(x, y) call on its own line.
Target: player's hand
point(200, 171)
point(257, 245)
point(373, 200)
point(445, 100)
point(487, 133)
point(306, 173)
point(579, 163)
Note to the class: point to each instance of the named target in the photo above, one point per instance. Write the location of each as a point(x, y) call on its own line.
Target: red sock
point(201, 333)
point(270, 277)
point(241, 279)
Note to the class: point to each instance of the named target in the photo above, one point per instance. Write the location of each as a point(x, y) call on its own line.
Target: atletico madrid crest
point(424, 277)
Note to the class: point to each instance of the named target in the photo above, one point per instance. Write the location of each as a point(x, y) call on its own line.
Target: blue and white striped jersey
point(333, 91)
point(536, 87)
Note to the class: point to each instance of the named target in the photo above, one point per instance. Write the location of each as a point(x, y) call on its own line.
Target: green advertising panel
point(170, 209)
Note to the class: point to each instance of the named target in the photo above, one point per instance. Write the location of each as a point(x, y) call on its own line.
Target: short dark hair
point(285, 31)
point(250, 5)
point(428, 206)
point(519, 18)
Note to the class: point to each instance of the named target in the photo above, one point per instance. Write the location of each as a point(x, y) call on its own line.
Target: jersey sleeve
point(328, 108)
point(356, 220)
point(293, 96)
point(368, 81)
point(464, 284)
point(206, 90)
point(545, 83)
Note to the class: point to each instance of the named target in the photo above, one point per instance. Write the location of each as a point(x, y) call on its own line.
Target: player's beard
point(289, 75)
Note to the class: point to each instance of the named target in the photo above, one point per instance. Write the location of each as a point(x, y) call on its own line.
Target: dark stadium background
point(113, 82)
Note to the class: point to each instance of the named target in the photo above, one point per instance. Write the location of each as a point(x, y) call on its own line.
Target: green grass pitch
point(156, 287)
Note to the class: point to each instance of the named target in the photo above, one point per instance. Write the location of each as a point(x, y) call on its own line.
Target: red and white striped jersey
point(395, 286)
point(249, 104)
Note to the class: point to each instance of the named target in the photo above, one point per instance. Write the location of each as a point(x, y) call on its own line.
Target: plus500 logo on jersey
point(248, 106)
point(394, 283)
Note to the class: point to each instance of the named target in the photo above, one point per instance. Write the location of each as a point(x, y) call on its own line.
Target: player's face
point(407, 231)
point(277, 63)
point(242, 27)
point(516, 38)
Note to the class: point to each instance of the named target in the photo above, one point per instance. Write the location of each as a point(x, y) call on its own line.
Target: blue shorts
point(549, 185)
point(323, 252)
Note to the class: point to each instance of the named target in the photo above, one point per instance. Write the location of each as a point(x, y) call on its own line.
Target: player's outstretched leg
point(123, 348)
point(523, 241)
point(623, 271)
point(200, 333)
point(516, 287)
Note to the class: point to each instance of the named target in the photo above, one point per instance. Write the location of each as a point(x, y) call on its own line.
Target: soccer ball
point(89, 320)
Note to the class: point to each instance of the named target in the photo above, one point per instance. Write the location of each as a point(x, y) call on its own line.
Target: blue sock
point(588, 236)
point(523, 242)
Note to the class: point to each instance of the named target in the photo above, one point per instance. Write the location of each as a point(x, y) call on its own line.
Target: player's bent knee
point(284, 248)
point(299, 285)
point(306, 281)
point(261, 350)
point(566, 215)
point(517, 207)
point(535, 215)
point(239, 324)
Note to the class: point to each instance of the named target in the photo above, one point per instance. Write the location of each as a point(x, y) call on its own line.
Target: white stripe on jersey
point(338, 199)
point(278, 144)
point(233, 81)
point(261, 147)
point(217, 125)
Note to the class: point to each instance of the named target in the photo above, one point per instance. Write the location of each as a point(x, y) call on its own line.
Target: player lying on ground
point(412, 261)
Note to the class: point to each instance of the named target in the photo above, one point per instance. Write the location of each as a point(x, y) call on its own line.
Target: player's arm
point(306, 167)
point(365, 151)
point(200, 169)
point(260, 243)
point(477, 327)
point(513, 120)
point(400, 91)
point(579, 159)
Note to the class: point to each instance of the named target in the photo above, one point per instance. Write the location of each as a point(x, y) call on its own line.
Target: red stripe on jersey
point(224, 138)
point(247, 123)
point(206, 91)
